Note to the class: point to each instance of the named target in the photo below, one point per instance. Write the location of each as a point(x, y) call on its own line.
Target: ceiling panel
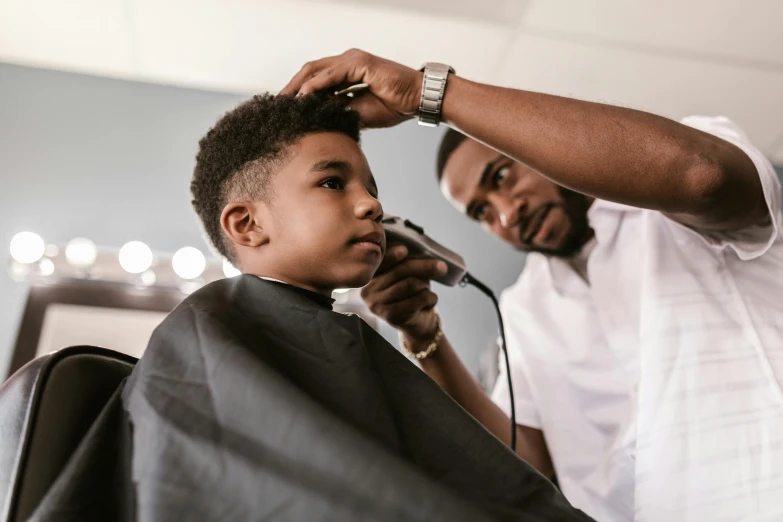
point(674, 58)
point(670, 86)
point(503, 12)
point(750, 32)
point(246, 46)
point(84, 35)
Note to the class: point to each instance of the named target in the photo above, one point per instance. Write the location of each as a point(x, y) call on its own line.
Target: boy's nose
point(369, 208)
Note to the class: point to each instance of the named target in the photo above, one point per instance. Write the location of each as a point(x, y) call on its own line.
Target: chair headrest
point(45, 409)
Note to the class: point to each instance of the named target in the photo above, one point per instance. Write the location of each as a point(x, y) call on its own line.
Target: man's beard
point(575, 206)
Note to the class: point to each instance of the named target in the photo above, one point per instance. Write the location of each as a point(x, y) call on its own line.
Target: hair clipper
point(402, 232)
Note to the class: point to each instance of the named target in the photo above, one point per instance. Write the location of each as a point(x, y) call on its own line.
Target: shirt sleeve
point(524, 403)
point(753, 241)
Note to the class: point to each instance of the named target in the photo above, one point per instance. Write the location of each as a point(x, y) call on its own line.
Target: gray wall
point(111, 160)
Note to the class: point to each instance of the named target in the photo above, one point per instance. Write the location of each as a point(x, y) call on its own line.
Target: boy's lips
point(375, 241)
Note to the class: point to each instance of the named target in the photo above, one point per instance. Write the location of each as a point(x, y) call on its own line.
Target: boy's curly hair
point(238, 155)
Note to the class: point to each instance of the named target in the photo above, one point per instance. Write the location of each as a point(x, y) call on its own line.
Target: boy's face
point(322, 223)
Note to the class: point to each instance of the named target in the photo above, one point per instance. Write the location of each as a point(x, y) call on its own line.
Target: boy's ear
point(241, 222)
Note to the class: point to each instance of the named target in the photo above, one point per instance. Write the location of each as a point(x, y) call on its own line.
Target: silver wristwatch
point(433, 87)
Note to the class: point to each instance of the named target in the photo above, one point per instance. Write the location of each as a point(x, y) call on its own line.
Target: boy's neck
point(281, 279)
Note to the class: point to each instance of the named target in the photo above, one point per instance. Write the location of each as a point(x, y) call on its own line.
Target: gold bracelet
point(430, 348)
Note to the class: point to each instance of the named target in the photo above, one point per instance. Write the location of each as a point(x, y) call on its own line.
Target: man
point(645, 333)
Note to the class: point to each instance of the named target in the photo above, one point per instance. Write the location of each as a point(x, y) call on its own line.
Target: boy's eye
point(333, 184)
point(501, 175)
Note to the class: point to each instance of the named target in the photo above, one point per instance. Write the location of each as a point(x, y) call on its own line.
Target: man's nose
point(508, 211)
point(508, 219)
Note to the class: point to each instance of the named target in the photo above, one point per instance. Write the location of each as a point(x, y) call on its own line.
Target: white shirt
point(657, 385)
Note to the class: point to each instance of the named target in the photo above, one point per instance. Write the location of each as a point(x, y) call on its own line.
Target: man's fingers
point(330, 77)
point(321, 74)
point(309, 70)
point(394, 254)
point(421, 268)
point(401, 313)
point(400, 291)
point(430, 301)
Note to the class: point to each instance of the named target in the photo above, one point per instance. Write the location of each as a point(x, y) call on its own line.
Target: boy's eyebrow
point(332, 164)
point(342, 166)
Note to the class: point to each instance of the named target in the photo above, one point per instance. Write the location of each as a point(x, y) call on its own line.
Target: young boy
point(284, 192)
point(255, 401)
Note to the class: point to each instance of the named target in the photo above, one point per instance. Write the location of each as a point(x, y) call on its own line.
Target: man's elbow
point(707, 182)
point(725, 194)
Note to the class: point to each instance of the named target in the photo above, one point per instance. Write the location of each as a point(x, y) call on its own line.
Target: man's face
point(324, 218)
point(514, 202)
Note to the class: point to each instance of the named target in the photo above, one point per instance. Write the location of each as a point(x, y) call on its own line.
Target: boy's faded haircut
point(238, 155)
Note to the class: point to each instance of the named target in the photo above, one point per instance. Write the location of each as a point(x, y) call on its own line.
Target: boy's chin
point(357, 280)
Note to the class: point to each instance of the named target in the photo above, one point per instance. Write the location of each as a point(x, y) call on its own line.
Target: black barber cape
point(255, 401)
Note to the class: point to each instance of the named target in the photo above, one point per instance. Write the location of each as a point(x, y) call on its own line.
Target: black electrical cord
point(469, 279)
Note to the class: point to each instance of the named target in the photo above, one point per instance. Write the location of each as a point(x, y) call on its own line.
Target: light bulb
point(27, 247)
point(46, 266)
point(135, 257)
point(188, 262)
point(81, 252)
point(229, 270)
point(148, 278)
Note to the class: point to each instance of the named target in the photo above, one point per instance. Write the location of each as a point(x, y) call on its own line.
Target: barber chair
point(46, 409)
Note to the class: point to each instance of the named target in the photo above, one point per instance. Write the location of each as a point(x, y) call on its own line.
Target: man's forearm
point(608, 152)
point(445, 368)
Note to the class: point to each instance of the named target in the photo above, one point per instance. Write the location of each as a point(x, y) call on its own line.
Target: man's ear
point(241, 223)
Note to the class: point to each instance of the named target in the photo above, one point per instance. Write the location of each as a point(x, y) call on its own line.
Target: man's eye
point(332, 183)
point(501, 175)
point(480, 213)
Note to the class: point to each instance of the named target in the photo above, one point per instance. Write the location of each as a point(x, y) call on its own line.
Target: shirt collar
point(604, 217)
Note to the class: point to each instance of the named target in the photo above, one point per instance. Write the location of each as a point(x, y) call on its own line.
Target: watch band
point(433, 88)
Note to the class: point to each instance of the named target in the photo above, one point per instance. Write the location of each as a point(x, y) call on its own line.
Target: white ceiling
point(672, 57)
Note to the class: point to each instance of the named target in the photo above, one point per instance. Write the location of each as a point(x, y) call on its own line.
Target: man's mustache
point(525, 239)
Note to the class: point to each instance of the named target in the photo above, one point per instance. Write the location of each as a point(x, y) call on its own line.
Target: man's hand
point(400, 293)
point(394, 90)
